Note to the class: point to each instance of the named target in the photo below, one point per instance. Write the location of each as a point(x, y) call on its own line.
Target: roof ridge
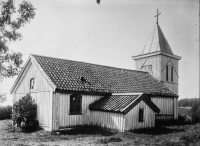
point(91, 63)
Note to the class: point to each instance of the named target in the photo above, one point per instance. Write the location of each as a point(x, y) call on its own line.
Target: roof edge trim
point(20, 75)
point(156, 53)
point(124, 109)
point(35, 62)
point(127, 93)
point(137, 100)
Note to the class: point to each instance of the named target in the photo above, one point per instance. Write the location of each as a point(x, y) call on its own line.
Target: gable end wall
point(42, 94)
point(132, 121)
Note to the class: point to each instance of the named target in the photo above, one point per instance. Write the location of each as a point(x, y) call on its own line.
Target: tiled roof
point(121, 103)
point(115, 103)
point(79, 76)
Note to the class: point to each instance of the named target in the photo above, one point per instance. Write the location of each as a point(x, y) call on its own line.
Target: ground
point(165, 135)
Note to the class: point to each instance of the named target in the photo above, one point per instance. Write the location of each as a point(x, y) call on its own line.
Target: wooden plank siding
point(41, 94)
point(172, 86)
point(132, 117)
point(61, 107)
point(168, 107)
point(159, 63)
point(108, 119)
point(126, 122)
point(176, 108)
point(171, 62)
point(155, 61)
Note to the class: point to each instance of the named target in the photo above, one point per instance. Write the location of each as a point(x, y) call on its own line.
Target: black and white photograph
point(99, 73)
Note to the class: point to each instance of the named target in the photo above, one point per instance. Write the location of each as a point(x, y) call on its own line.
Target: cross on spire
point(157, 15)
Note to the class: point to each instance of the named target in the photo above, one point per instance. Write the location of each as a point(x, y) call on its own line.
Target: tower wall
point(170, 65)
point(154, 61)
point(162, 66)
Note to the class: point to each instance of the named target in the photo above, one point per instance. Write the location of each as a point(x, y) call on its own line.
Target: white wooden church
point(70, 93)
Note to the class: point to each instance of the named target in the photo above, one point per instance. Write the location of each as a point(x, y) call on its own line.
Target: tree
point(25, 113)
point(2, 98)
point(194, 112)
point(12, 19)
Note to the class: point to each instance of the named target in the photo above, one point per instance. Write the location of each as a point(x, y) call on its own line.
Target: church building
point(71, 93)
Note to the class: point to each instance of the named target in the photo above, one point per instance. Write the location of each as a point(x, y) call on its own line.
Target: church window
point(172, 74)
point(141, 115)
point(32, 83)
point(167, 75)
point(75, 104)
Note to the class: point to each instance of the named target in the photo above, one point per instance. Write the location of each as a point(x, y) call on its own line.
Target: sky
point(110, 33)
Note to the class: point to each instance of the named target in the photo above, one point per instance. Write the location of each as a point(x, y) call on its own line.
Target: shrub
point(25, 114)
point(195, 112)
point(5, 112)
point(12, 128)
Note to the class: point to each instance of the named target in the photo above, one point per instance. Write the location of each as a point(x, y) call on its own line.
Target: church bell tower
point(158, 59)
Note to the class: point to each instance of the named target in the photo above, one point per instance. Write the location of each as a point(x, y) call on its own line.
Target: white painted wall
point(132, 117)
point(61, 108)
point(41, 94)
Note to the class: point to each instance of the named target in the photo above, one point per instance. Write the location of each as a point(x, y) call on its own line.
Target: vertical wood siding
point(108, 119)
point(167, 106)
point(61, 117)
point(132, 117)
point(41, 84)
point(175, 108)
point(173, 87)
point(159, 63)
point(42, 100)
point(171, 62)
point(41, 94)
point(155, 61)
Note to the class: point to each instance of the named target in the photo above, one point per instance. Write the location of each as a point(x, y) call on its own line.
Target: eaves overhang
point(156, 53)
point(32, 60)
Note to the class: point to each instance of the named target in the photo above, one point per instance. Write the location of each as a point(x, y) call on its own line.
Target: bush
point(25, 114)
point(12, 128)
point(195, 112)
point(5, 112)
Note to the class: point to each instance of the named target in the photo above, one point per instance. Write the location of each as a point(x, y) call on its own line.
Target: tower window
point(32, 83)
point(141, 115)
point(75, 104)
point(167, 75)
point(172, 74)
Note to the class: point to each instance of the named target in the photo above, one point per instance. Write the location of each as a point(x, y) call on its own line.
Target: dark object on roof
point(98, 1)
point(67, 75)
point(122, 103)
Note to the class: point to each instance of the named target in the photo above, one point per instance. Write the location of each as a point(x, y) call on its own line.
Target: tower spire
point(157, 16)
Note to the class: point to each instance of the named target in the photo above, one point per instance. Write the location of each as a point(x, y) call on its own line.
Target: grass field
point(94, 136)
